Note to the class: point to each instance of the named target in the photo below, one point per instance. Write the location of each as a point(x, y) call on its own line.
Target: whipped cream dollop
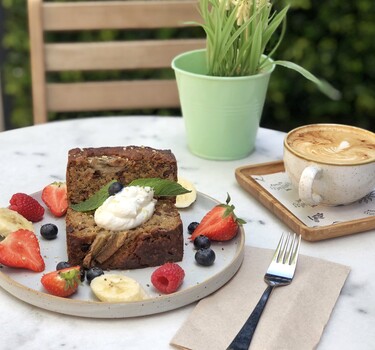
point(127, 209)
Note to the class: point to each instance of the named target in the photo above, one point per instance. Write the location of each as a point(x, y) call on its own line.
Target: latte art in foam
point(334, 145)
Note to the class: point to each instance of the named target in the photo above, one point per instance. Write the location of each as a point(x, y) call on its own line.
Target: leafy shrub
point(333, 40)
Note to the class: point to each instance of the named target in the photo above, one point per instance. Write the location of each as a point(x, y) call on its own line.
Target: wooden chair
point(2, 116)
point(49, 57)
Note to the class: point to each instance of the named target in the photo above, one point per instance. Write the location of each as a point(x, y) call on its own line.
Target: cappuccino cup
point(330, 164)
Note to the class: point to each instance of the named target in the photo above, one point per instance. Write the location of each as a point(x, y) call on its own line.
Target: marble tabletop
point(35, 156)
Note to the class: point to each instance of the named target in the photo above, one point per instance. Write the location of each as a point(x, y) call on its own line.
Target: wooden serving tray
point(243, 176)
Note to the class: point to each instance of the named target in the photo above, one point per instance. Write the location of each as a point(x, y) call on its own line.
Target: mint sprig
point(161, 187)
point(95, 201)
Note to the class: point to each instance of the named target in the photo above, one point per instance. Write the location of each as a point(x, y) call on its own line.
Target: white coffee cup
point(330, 164)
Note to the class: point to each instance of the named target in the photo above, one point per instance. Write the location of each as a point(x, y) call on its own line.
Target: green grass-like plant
point(238, 33)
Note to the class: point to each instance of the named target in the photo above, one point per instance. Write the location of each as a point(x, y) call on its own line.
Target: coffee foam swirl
point(333, 145)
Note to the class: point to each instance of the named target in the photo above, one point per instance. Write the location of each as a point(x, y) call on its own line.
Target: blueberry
point(192, 226)
point(82, 274)
point(93, 272)
point(49, 231)
point(62, 265)
point(205, 257)
point(202, 242)
point(115, 188)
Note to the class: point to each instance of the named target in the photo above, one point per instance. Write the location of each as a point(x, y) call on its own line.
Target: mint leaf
point(95, 201)
point(161, 187)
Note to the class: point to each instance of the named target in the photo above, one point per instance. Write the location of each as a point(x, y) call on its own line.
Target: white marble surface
point(35, 156)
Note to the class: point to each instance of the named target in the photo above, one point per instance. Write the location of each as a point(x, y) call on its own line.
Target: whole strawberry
point(62, 283)
point(219, 224)
point(27, 206)
point(55, 198)
point(168, 278)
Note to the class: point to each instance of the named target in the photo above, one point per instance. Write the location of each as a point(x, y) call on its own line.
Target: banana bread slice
point(89, 169)
point(155, 242)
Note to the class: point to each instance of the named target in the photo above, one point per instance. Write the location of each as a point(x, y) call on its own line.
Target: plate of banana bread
point(163, 238)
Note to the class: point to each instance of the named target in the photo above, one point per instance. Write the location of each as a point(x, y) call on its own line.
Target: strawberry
point(168, 277)
point(62, 283)
point(21, 249)
point(55, 198)
point(219, 224)
point(27, 206)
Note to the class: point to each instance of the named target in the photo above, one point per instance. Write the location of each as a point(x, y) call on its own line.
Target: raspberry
point(168, 277)
point(27, 206)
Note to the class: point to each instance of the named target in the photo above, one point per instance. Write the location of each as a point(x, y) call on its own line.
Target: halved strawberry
point(219, 224)
point(62, 283)
point(21, 249)
point(55, 198)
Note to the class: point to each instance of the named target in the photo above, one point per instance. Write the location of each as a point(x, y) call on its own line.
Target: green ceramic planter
point(221, 114)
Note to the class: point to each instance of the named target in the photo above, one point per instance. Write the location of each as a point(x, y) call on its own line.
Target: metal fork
point(279, 273)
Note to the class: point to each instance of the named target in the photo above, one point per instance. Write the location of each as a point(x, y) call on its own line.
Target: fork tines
point(285, 258)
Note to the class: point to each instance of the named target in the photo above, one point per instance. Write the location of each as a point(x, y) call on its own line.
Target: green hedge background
point(332, 39)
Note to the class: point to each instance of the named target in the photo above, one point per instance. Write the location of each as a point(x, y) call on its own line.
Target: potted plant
point(222, 88)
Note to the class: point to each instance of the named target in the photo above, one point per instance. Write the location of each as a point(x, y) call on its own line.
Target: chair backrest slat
point(119, 15)
point(112, 95)
point(115, 55)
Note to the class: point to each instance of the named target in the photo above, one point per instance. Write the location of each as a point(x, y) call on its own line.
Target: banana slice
point(117, 288)
point(185, 200)
point(11, 221)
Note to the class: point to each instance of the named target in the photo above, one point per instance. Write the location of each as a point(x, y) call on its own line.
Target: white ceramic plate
point(198, 283)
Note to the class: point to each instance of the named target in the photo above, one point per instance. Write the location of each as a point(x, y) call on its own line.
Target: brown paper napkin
point(295, 315)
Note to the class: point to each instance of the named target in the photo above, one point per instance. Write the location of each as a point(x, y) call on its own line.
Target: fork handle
point(243, 339)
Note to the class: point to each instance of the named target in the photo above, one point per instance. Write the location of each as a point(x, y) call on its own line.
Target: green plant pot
point(221, 114)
